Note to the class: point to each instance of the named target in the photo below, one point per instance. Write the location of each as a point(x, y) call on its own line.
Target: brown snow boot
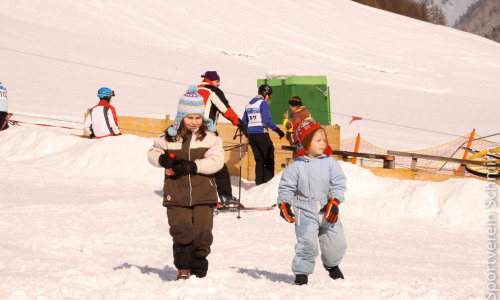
point(183, 274)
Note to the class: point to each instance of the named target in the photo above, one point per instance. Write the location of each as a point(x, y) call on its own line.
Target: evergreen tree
point(482, 18)
point(409, 8)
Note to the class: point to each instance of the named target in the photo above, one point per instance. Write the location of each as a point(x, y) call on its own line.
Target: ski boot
point(229, 201)
point(334, 272)
point(300, 279)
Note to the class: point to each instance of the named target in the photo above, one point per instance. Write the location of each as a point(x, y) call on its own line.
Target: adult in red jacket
point(215, 104)
point(101, 120)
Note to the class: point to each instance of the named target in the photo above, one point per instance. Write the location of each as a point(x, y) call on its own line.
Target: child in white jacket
point(314, 185)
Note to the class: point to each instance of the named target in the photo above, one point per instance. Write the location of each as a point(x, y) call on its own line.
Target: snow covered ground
point(82, 219)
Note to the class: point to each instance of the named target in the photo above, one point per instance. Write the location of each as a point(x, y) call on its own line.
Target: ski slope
point(82, 219)
point(380, 66)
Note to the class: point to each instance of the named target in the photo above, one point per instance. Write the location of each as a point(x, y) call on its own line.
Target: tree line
point(410, 8)
point(482, 18)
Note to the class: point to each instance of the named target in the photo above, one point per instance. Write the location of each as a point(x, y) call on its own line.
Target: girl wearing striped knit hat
point(190, 153)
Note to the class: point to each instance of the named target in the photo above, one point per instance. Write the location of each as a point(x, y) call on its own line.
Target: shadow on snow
point(166, 274)
point(275, 277)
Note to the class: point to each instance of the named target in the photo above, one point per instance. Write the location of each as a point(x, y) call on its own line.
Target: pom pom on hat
point(190, 103)
point(172, 131)
point(210, 124)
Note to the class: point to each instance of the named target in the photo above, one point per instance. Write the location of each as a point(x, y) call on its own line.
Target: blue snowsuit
point(307, 184)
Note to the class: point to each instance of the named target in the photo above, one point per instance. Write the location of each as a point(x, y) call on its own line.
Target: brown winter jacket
point(190, 190)
point(291, 124)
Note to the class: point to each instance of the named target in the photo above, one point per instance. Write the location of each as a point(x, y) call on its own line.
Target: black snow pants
point(223, 182)
point(3, 120)
point(263, 151)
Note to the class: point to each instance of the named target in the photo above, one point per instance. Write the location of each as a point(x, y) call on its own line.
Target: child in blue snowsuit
point(314, 185)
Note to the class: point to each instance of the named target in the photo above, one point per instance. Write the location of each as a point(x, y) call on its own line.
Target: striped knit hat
point(305, 132)
point(190, 103)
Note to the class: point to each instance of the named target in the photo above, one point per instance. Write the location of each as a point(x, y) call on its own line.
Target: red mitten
point(286, 212)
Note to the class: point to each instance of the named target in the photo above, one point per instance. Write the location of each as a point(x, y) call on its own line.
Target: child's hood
point(305, 158)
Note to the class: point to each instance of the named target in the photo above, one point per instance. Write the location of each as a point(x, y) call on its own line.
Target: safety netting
point(452, 149)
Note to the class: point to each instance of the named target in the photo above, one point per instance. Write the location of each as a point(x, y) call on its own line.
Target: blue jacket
point(309, 183)
point(265, 114)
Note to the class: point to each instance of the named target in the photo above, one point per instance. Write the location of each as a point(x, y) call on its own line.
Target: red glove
point(286, 212)
point(331, 210)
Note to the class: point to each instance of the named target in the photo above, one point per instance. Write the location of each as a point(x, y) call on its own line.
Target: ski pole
point(239, 192)
point(239, 188)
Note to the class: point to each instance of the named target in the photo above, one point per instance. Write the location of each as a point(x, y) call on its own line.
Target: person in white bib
point(102, 120)
point(3, 108)
point(258, 118)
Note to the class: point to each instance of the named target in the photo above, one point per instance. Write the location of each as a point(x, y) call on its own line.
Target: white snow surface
point(379, 66)
point(82, 219)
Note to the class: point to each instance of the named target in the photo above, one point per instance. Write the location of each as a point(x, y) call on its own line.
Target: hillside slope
point(380, 66)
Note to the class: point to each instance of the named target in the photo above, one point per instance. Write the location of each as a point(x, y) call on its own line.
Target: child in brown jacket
point(190, 151)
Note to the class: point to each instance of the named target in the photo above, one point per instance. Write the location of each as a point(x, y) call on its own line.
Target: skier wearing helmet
point(101, 120)
point(258, 117)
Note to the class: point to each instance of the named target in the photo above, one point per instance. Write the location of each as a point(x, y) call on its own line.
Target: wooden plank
point(439, 158)
point(406, 174)
point(364, 155)
point(346, 154)
point(413, 164)
point(389, 163)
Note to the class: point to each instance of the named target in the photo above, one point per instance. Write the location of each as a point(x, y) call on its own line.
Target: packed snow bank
point(123, 158)
point(452, 202)
point(455, 201)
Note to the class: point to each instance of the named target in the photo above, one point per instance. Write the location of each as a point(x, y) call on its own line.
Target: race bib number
point(254, 118)
point(3, 94)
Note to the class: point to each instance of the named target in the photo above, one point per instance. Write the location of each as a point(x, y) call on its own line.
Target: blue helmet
point(2, 87)
point(105, 93)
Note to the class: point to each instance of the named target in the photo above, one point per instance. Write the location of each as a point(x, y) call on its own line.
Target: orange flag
point(355, 119)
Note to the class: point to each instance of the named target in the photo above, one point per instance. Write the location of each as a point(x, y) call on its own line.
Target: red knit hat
point(305, 132)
